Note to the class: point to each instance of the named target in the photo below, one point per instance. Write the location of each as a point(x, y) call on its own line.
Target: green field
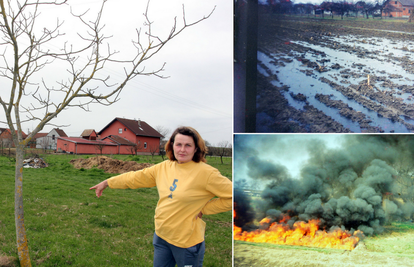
point(67, 225)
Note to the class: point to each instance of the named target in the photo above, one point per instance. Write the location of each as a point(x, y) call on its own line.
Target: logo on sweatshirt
point(173, 187)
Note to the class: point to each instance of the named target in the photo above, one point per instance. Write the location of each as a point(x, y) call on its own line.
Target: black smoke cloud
point(243, 209)
point(358, 186)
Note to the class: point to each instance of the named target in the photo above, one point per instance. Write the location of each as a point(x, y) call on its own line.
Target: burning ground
point(334, 75)
point(344, 189)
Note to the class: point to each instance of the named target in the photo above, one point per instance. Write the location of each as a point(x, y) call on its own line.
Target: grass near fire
point(396, 240)
point(67, 225)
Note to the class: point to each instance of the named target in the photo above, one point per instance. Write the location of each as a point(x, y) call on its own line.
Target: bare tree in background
point(24, 53)
point(45, 143)
point(134, 148)
point(223, 149)
point(153, 149)
point(99, 147)
point(165, 132)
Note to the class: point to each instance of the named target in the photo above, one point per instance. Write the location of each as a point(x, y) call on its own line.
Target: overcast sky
point(198, 92)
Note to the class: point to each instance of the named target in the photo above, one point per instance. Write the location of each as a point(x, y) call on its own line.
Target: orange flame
point(302, 234)
point(265, 221)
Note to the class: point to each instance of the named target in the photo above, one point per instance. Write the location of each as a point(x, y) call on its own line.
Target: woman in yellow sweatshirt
point(187, 188)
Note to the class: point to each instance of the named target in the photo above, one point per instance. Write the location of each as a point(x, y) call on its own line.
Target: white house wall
point(48, 140)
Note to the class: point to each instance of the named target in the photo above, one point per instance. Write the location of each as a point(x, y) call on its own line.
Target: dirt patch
point(109, 165)
point(6, 261)
point(251, 254)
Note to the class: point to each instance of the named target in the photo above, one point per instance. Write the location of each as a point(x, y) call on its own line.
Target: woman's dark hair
point(201, 148)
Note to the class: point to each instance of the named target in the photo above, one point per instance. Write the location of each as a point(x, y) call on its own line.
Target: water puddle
point(297, 77)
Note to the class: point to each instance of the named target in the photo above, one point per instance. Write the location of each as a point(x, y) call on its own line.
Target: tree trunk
point(410, 18)
point(22, 248)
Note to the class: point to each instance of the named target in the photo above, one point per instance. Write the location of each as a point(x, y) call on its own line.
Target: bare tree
point(45, 142)
point(164, 131)
point(210, 148)
point(153, 149)
point(99, 147)
point(134, 148)
point(7, 141)
point(162, 151)
point(25, 51)
point(223, 149)
point(367, 8)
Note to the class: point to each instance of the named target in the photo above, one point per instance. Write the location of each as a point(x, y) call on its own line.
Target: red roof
point(24, 136)
point(61, 132)
point(120, 140)
point(138, 127)
point(79, 140)
point(406, 2)
point(38, 135)
point(87, 132)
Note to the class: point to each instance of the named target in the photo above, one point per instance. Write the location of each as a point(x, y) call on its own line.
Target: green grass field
point(68, 226)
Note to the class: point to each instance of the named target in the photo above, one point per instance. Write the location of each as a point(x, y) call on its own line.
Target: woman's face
point(184, 148)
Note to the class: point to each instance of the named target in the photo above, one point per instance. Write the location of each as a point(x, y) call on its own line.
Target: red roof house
point(139, 132)
point(398, 8)
point(6, 138)
point(120, 136)
point(124, 145)
point(89, 134)
point(79, 145)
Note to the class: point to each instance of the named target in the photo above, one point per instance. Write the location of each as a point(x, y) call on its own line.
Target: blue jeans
point(167, 255)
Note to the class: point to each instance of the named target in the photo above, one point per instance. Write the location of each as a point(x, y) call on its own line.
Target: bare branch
point(84, 65)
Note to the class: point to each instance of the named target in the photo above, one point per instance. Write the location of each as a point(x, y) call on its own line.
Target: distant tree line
point(335, 7)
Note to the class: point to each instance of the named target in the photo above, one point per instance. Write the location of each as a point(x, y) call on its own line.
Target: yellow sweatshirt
point(184, 190)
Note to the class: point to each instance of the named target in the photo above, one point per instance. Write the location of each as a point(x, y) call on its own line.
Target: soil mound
point(109, 165)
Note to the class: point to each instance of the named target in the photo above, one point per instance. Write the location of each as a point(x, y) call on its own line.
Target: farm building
point(49, 140)
point(6, 138)
point(120, 136)
point(79, 145)
point(399, 8)
point(89, 134)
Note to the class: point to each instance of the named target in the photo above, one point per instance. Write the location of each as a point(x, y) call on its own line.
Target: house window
point(124, 129)
point(145, 145)
point(53, 137)
point(120, 130)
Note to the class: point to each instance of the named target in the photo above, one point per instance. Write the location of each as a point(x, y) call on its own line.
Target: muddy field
point(393, 249)
point(335, 75)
